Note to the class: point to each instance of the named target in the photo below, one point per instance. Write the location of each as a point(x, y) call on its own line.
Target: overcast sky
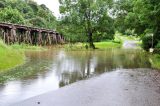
point(53, 5)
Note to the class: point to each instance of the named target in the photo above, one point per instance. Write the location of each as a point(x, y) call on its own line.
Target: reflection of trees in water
point(68, 78)
point(121, 59)
point(75, 66)
point(86, 65)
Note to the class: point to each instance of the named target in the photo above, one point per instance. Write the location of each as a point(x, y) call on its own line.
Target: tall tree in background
point(88, 17)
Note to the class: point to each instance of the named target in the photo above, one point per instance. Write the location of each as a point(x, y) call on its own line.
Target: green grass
point(155, 61)
point(10, 57)
point(13, 55)
point(98, 45)
point(27, 47)
point(107, 44)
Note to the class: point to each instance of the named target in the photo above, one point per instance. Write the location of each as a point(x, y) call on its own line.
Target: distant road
point(130, 44)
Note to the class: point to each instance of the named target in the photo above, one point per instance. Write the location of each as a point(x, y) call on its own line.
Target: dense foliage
point(96, 20)
point(26, 12)
point(140, 16)
point(87, 18)
point(90, 20)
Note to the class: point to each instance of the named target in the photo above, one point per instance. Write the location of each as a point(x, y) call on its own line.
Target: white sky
point(53, 5)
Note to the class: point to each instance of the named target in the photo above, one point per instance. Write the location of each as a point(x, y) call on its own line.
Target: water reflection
point(80, 65)
point(49, 70)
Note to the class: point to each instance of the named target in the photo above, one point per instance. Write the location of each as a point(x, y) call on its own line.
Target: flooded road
point(122, 87)
point(49, 70)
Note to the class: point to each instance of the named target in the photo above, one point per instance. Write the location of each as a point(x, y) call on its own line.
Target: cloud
point(53, 5)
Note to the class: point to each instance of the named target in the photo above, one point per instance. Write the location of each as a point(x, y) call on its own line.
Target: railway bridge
point(14, 33)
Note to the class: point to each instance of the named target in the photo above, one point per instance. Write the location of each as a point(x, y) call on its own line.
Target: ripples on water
point(49, 70)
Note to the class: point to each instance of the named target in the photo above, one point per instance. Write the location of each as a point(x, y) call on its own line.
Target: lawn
point(107, 44)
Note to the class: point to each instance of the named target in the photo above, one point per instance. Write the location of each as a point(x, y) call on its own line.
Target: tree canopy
point(26, 12)
point(142, 16)
point(88, 18)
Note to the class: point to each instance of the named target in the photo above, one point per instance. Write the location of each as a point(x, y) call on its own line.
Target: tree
point(2, 4)
point(26, 12)
point(141, 16)
point(120, 11)
point(11, 15)
point(148, 12)
point(86, 17)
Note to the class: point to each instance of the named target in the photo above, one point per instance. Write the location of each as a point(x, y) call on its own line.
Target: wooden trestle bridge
point(14, 33)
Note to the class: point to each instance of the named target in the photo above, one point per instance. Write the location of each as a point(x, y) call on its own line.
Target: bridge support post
point(40, 37)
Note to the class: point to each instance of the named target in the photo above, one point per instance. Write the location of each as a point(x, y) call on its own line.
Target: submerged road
point(130, 87)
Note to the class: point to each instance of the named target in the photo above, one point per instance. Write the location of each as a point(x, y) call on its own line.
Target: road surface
point(127, 44)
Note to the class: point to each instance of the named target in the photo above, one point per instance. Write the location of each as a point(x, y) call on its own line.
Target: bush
point(158, 45)
point(147, 42)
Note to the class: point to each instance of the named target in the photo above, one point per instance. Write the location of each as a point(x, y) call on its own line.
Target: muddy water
point(49, 70)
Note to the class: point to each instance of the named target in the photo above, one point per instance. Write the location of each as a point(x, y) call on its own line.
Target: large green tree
point(148, 12)
point(87, 17)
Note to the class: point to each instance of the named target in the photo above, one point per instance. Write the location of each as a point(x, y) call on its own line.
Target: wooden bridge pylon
point(14, 33)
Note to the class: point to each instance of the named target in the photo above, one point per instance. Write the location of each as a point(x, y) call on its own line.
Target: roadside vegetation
point(27, 47)
point(155, 61)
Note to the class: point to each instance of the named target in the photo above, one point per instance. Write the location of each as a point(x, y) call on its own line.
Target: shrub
point(158, 45)
point(147, 42)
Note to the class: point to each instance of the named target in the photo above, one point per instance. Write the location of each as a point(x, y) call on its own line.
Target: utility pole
point(151, 49)
point(152, 40)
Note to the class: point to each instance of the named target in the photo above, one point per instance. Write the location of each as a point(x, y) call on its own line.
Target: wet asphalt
point(122, 87)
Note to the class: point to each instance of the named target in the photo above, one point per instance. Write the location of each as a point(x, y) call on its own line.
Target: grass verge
point(155, 61)
point(10, 57)
point(27, 47)
point(13, 55)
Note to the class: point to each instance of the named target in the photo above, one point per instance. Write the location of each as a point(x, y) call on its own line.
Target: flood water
point(49, 70)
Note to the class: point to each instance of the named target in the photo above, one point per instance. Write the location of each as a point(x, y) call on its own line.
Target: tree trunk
point(156, 33)
point(90, 40)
